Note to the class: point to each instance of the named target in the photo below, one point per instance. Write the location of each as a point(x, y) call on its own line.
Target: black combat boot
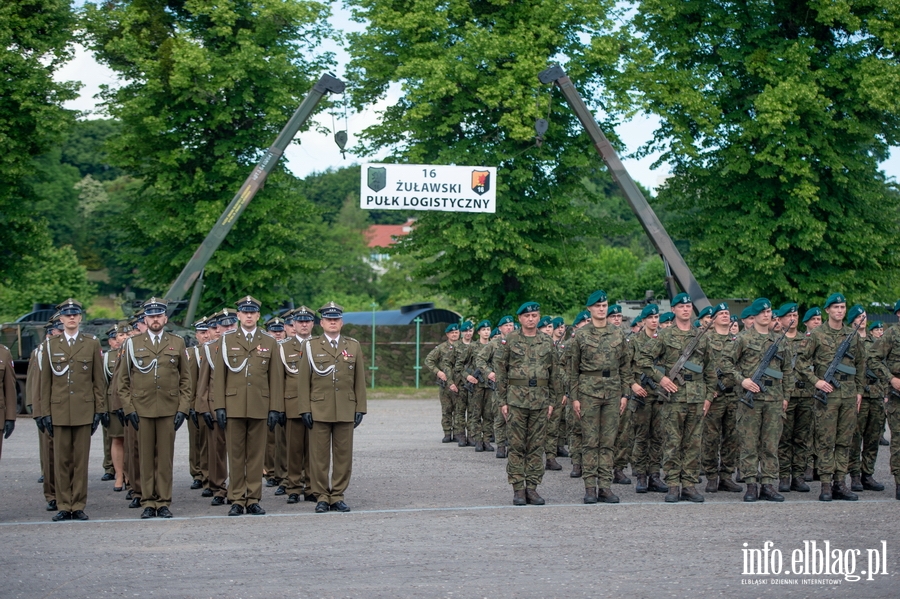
point(726, 484)
point(576, 471)
point(656, 485)
point(784, 484)
point(839, 490)
point(769, 493)
point(607, 496)
point(855, 484)
point(752, 493)
point(531, 495)
point(808, 474)
point(798, 484)
point(825, 493)
point(590, 495)
point(501, 451)
point(461, 440)
point(870, 484)
point(641, 486)
point(487, 446)
point(479, 446)
point(619, 477)
point(447, 438)
point(519, 497)
point(712, 483)
point(561, 452)
point(690, 493)
point(552, 464)
point(673, 494)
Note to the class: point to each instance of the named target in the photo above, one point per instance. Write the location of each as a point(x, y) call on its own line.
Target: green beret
point(707, 311)
point(717, 308)
point(681, 298)
point(484, 324)
point(854, 313)
point(637, 320)
point(876, 325)
point(666, 317)
point(817, 311)
point(558, 322)
point(785, 309)
point(528, 307)
point(451, 327)
point(734, 318)
point(745, 313)
point(697, 324)
point(649, 310)
point(759, 305)
point(505, 320)
point(897, 306)
point(835, 298)
point(596, 297)
point(581, 317)
point(544, 321)
point(494, 333)
point(614, 309)
point(466, 326)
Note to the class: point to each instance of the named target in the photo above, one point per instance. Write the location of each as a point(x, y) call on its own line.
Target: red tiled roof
point(382, 236)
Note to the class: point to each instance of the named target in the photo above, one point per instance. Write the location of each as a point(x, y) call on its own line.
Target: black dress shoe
point(118, 489)
point(255, 509)
point(129, 495)
point(148, 512)
point(206, 493)
point(79, 515)
point(294, 498)
point(197, 484)
point(107, 476)
point(236, 510)
point(321, 507)
point(135, 503)
point(280, 490)
point(309, 496)
point(163, 512)
point(340, 506)
point(270, 482)
point(62, 515)
point(217, 501)
point(51, 505)
point(41, 478)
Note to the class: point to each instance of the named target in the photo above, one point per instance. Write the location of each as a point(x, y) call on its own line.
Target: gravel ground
point(429, 520)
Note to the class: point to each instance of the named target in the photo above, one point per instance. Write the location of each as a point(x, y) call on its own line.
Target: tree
point(86, 148)
point(205, 86)
point(35, 40)
point(470, 95)
point(775, 117)
point(49, 276)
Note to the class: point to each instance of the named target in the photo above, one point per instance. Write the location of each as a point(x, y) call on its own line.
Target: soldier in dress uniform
point(132, 455)
point(33, 399)
point(247, 394)
point(116, 430)
point(198, 456)
point(154, 386)
point(440, 361)
point(296, 436)
point(73, 401)
point(276, 457)
point(332, 404)
point(8, 404)
point(109, 469)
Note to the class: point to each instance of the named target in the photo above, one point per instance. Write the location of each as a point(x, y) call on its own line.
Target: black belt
point(529, 382)
point(688, 377)
point(800, 384)
point(767, 383)
point(603, 373)
point(728, 390)
point(843, 377)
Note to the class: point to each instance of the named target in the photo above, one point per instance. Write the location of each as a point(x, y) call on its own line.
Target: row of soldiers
point(684, 396)
point(236, 388)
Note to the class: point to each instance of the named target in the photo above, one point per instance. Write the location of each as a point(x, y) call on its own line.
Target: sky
point(317, 152)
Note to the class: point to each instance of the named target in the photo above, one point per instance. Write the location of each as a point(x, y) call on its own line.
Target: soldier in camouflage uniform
point(527, 378)
point(545, 326)
point(759, 427)
point(598, 373)
point(836, 420)
point(575, 435)
point(719, 453)
point(625, 434)
point(811, 320)
point(440, 361)
point(869, 419)
point(683, 412)
point(562, 427)
point(464, 416)
point(886, 362)
point(484, 361)
point(666, 319)
point(646, 458)
point(481, 420)
point(794, 445)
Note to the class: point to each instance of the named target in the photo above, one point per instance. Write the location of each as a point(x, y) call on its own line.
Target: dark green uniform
point(441, 359)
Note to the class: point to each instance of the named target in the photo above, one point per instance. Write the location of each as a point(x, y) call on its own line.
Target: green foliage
point(86, 145)
point(470, 95)
point(35, 40)
point(328, 191)
point(49, 276)
point(205, 86)
point(774, 119)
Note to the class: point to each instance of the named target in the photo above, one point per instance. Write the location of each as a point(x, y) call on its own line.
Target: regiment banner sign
point(428, 187)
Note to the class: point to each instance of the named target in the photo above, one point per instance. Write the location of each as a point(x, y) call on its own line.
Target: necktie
point(334, 343)
point(71, 342)
point(155, 341)
point(249, 337)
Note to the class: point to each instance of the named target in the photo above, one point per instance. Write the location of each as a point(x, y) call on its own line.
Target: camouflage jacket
point(820, 351)
point(718, 345)
point(442, 359)
point(884, 357)
point(598, 364)
point(528, 373)
point(794, 347)
point(665, 351)
point(484, 357)
point(637, 344)
point(561, 348)
point(465, 362)
point(876, 386)
point(744, 356)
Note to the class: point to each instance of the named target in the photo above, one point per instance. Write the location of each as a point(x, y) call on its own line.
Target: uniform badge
point(140, 361)
point(346, 355)
point(84, 366)
point(171, 360)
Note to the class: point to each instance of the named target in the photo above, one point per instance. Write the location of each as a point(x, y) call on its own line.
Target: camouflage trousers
point(447, 403)
point(575, 437)
point(835, 424)
point(869, 426)
point(460, 405)
point(526, 430)
point(481, 415)
point(796, 437)
point(720, 446)
point(499, 422)
point(649, 430)
point(599, 426)
point(624, 445)
point(681, 443)
point(759, 429)
point(552, 440)
point(892, 408)
point(562, 437)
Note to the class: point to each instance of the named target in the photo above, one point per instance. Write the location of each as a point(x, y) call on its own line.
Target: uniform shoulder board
point(210, 342)
point(175, 335)
point(6, 348)
point(268, 334)
point(351, 339)
point(89, 336)
point(285, 340)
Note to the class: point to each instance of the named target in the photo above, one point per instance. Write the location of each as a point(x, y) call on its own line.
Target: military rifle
point(828, 377)
point(675, 372)
point(719, 384)
point(767, 358)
